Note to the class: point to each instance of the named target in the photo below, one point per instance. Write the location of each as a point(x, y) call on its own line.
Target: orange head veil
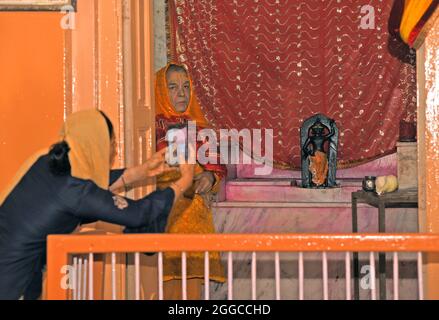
point(163, 103)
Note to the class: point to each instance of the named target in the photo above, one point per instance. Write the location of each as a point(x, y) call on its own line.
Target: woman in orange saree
point(176, 105)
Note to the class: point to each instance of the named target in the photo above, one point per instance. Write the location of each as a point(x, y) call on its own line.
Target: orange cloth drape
point(417, 20)
point(319, 168)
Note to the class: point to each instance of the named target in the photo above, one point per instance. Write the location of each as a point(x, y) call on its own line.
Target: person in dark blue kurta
point(44, 203)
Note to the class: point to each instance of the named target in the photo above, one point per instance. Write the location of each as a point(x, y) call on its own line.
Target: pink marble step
point(280, 190)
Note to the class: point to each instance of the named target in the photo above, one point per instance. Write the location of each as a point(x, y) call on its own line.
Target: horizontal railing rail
point(61, 248)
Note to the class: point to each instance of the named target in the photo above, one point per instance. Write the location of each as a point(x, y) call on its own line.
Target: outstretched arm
point(88, 202)
point(332, 132)
point(91, 203)
point(155, 166)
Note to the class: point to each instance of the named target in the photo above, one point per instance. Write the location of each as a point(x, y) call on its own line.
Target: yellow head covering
point(88, 137)
point(163, 102)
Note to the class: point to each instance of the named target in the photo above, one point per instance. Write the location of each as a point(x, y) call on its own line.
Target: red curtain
point(274, 63)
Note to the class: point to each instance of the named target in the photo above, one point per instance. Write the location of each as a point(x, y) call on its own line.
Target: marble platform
point(270, 204)
point(282, 191)
point(273, 206)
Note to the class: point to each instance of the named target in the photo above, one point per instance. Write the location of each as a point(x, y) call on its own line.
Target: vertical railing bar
point(230, 276)
point(184, 275)
point(206, 276)
point(420, 276)
point(75, 281)
point(395, 276)
point(91, 277)
point(277, 272)
point(348, 276)
point(301, 277)
point(137, 275)
point(160, 263)
point(113, 277)
point(325, 276)
point(254, 276)
point(373, 276)
point(84, 285)
point(79, 279)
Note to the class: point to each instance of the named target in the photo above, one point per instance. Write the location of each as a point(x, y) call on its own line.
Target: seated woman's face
point(179, 90)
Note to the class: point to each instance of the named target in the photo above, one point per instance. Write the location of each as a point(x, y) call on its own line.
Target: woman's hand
point(156, 165)
point(204, 182)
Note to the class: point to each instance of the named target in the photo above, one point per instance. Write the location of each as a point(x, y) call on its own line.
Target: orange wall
point(31, 86)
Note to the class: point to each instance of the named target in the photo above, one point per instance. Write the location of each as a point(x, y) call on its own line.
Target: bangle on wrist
point(125, 186)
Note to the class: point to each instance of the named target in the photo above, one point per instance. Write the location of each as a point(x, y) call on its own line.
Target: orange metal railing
point(60, 248)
